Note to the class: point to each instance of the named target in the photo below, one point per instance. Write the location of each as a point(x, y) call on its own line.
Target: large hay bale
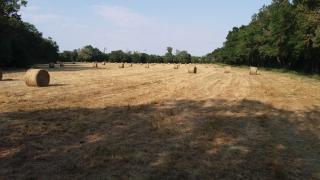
point(193, 70)
point(227, 69)
point(253, 71)
point(176, 67)
point(121, 65)
point(51, 65)
point(37, 78)
point(0, 75)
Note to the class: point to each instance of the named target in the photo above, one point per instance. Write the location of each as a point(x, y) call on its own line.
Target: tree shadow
point(212, 139)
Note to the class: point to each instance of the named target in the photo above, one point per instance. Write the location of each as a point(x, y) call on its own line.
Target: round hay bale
point(57, 66)
point(131, 65)
point(37, 78)
point(121, 65)
point(95, 65)
point(51, 65)
point(176, 67)
point(227, 69)
point(60, 63)
point(193, 70)
point(253, 71)
point(0, 75)
point(104, 63)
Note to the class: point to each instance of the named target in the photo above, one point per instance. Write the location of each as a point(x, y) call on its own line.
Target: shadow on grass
point(10, 80)
point(213, 139)
point(58, 85)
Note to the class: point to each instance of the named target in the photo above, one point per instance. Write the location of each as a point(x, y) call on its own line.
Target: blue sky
point(140, 25)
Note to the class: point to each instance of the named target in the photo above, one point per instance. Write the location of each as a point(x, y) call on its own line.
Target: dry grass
point(160, 123)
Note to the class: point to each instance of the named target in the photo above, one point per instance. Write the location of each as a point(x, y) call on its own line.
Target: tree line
point(91, 54)
point(285, 34)
point(21, 44)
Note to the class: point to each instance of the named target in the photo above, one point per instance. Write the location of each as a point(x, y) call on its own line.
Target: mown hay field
point(159, 123)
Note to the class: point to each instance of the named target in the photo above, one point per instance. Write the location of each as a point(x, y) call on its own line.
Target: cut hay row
point(193, 70)
point(37, 78)
point(253, 71)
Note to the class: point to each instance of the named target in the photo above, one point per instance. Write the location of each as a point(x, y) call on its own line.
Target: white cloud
point(122, 16)
point(119, 28)
point(35, 15)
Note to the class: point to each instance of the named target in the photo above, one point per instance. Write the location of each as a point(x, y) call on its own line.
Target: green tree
point(169, 57)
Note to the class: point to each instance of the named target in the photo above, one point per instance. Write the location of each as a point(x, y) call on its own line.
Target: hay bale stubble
point(37, 78)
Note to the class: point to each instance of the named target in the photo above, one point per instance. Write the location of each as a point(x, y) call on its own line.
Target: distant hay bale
point(253, 71)
point(57, 65)
point(131, 65)
point(104, 63)
point(147, 66)
point(121, 66)
point(176, 67)
point(51, 65)
point(95, 65)
point(193, 70)
point(37, 78)
point(227, 69)
point(60, 63)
